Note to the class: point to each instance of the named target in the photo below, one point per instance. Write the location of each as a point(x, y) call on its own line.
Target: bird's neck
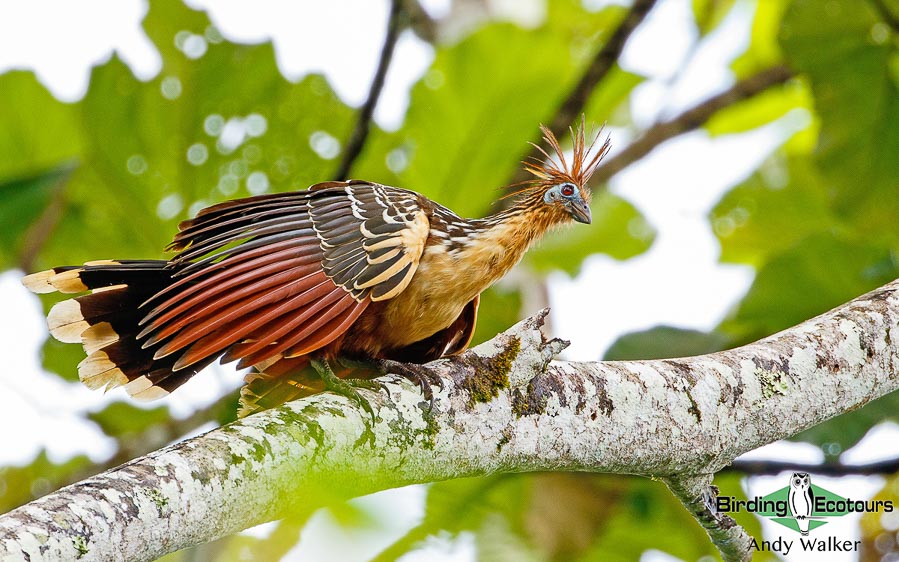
point(516, 227)
point(498, 242)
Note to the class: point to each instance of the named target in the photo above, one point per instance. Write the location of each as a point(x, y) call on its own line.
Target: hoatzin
point(296, 284)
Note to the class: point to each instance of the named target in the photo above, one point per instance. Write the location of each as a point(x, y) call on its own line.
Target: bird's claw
point(417, 374)
point(347, 387)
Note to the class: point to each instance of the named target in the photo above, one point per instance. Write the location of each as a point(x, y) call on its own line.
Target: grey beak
point(580, 211)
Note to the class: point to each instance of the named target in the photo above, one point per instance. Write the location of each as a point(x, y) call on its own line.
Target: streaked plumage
point(342, 270)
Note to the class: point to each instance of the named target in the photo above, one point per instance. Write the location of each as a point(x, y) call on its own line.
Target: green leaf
point(817, 274)
point(61, 358)
point(761, 109)
point(455, 506)
point(649, 517)
point(152, 152)
point(484, 114)
point(132, 139)
point(777, 207)
point(120, 419)
point(39, 132)
point(764, 49)
point(25, 201)
point(846, 430)
point(21, 484)
point(664, 342)
point(499, 309)
point(566, 510)
point(242, 547)
point(857, 99)
point(468, 124)
point(611, 96)
point(709, 13)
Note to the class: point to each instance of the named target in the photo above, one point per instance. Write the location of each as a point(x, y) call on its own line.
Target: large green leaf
point(649, 517)
point(709, 13)
point(152, 152)
point(664, 342)
point(839, 434)
point(778, 206)
point(468, 124)
point(500, 308)
point(846, 50)
point(121, 419)
point(39, 132)
point(454, 506)
point(26, 213)
point(609, 101)
point(764, 50)
point(761, 109)
point(817, 274)
point(21, 484)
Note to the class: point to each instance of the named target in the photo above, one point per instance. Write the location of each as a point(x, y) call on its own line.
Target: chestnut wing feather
point(283, 275)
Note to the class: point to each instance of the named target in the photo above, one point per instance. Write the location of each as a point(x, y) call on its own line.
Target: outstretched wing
point(372, 238)
point(284, 275)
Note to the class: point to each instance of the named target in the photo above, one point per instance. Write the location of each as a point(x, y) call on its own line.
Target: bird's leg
point(345, 387)
point(413, 372)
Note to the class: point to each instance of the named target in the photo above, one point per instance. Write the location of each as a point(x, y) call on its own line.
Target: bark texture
point(505, 407)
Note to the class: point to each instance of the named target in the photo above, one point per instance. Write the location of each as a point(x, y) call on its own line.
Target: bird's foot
point(346, 387)
point(417, 374)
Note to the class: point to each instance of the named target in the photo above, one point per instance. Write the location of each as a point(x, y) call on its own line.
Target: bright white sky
point(677, 282)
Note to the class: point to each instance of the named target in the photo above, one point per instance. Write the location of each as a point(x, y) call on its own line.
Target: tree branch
point(689, 120)
point(503, 408)
point(761, 468)
point(363, 120)
point(698, 496)
point(598, 68)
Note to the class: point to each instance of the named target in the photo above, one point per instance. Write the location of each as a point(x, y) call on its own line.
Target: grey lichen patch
point(158, 499)
point(201, 474)
point(80, 544)
point(731, 393)
point(491, 373)
point(772, 381)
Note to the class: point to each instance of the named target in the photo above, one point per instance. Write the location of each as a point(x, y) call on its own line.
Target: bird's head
point(563, 187)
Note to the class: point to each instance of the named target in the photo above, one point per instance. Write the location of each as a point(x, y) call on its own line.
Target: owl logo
point(802, 500)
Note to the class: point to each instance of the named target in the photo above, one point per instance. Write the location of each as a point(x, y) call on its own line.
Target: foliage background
point(110, 175)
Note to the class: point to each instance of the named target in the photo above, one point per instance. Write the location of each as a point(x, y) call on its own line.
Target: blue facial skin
point(571, 199)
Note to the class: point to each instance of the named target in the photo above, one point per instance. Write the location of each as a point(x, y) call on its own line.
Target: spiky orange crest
point(555, 169)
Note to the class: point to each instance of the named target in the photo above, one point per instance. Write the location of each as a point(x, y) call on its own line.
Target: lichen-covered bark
point(504, 408)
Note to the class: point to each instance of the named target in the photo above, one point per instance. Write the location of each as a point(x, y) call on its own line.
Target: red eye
point(567, 190)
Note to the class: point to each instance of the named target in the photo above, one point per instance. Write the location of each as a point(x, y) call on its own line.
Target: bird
point(802, 501)
point(309, 287)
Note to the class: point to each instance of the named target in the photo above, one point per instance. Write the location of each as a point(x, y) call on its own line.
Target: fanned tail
point(106, 323)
